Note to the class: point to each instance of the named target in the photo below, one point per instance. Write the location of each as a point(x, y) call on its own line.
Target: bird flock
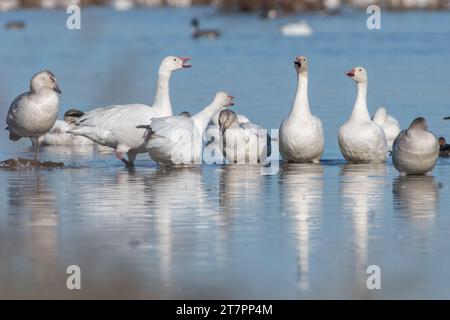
point(174, 140)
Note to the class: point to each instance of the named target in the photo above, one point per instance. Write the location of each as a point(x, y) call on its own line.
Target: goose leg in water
point(121, 157)
point(37, 144)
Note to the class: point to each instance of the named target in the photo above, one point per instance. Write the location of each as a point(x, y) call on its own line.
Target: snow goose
point(212, 131)
point(360, 139)
point(32, 114)
point(301, 133)
point(390, 125)
point(242, 142)
point(177, 140)
point(117, 126)
point(444, 148)
point(59, 136)
point(415, 150)
point(212, 138)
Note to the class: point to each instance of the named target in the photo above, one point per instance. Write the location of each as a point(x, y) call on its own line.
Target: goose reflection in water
point(241, 188)
point(362, 194)
point(31, 223)
point(416, 199)
point(177, 200)
point(301, 190)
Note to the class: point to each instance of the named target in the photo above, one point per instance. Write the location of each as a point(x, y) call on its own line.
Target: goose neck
point(162, 98)
point(300, 107)
point(202, 119)
point(360, 111)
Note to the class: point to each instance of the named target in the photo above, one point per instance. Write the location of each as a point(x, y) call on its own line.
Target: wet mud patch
point(23, 164)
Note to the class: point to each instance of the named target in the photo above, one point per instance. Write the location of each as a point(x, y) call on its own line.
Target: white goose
point(117, 126)
point(360, 139)
point(59, 136)
point(390, 125)
point(177, 140)
point(415, 149)
point(33, 113)
point(301, 133)
point(242, 142)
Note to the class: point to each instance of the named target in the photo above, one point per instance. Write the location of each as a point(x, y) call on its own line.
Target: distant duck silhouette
point(197, 32)
point(444, 148)
point(15, 25)
point(296, 29)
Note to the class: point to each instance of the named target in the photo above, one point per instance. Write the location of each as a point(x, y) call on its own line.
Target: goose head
point(442, 141)
point(172, 63)
point(44, 80)
point(226, 119)
point(419, 124)
point(224, 99)
point(359, 74)
point(301, 64)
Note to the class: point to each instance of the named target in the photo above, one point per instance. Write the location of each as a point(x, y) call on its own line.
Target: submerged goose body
point(301, 133)
point(117, 126)
point(33, 113)
point(360, 139)
point(242, 142)
point(389, 124)
point(59, 134)
point(415, 150)
point(177, 140)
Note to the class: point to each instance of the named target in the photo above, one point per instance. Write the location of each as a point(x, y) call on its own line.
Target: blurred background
point(283, 6)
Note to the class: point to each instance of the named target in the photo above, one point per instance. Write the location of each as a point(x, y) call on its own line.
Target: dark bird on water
point(444, 148)
point(15, 25)
point(197, 32)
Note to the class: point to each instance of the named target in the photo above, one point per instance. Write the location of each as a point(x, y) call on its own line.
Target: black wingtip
point(143, 127)
point(447, 118)
point(269, 145)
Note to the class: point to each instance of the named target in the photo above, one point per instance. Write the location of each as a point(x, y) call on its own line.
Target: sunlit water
point(309, 231)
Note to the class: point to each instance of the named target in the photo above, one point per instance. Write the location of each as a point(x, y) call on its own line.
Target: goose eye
point(175, 59)
point(360, 69)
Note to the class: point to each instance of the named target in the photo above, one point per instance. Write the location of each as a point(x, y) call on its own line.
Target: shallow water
point(309, 231)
